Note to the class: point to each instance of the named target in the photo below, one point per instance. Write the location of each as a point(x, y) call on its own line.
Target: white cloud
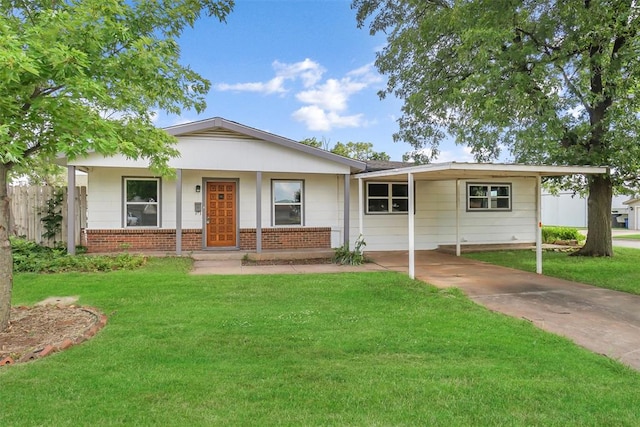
point(325, 102)
point(455, 154)
point(317, 119)
point(308, 71)
point(275, 85)
point(332, 95)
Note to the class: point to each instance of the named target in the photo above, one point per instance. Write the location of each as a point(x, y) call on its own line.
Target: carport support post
point(258, 212)
point(457, 217)
point(347, 204)
point(178, 211)
point(412, 258)
point(360, 207)
point(71, 210)
point(538, 225)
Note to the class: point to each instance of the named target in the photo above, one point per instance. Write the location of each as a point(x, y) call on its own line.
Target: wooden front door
point(221, 214)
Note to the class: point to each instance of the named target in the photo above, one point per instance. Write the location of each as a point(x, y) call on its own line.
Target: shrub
point(344, 256)
point(555, 234)
point(31, 257)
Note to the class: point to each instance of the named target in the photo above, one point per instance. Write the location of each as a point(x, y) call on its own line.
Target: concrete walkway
point(604, 321)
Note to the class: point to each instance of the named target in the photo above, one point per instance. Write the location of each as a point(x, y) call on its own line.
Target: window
point(387, 197)
point(287, 199)
point(141, 202)
point(486, 197)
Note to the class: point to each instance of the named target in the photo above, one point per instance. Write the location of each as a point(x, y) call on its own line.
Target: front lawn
point(620, 272)
point(335, 349)
point(627, 236)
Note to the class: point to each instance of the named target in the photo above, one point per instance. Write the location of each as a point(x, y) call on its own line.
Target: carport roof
point(455, 170)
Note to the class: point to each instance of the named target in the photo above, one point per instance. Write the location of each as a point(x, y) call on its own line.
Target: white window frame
point(299, 204)
point(130, 221)
point(389, 198)
point(489, 197)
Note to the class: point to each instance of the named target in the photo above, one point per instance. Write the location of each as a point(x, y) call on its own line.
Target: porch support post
point(347, 205)
point(457, 217)
point(71, 210)
point(360, 207)
point(258, 211)
point(538, 225)
point(178, 211)
point(412, 266)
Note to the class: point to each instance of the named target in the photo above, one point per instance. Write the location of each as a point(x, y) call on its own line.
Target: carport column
point(347, 205)
point(258, 211)
point(178, 211)
point(538, 225)
point(412, 267)
point(360, 208)
point(457, 217)
point(71, 210)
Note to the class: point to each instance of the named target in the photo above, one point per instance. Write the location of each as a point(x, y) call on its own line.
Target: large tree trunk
point(6, 260)
point(599, 222)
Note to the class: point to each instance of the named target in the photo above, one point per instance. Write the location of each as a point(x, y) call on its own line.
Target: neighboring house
point(633, 205)
point(570, 210)
point(239, 188)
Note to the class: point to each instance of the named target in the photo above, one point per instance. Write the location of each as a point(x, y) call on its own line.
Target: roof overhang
point(218, 122)
point(454, 170)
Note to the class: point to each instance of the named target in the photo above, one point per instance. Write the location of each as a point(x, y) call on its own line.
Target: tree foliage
point(90, 75)
point(355, 150)
point(551, 82)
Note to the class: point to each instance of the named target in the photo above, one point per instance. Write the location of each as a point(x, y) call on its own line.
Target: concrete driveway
point(601, 320)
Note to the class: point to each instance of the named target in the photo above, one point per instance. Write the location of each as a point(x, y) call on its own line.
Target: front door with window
point(221, 227)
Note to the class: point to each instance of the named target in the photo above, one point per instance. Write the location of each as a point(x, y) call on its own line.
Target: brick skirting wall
point(165, 239)
point(142, 239)
point(287, 238)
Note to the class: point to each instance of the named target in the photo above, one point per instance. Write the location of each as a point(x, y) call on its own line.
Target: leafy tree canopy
point(553, 82)
point(90, 75)
point(354, 150)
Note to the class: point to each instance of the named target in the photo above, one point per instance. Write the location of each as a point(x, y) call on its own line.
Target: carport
point(458, 172)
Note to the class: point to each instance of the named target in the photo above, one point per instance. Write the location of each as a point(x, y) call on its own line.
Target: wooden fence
point(28, 206)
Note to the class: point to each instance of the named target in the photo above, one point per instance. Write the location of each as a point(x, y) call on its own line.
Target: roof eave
point(519, 169)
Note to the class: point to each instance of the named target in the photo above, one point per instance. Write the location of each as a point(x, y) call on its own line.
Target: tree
point(554, 82)
point(88, 76)
point(355, 150)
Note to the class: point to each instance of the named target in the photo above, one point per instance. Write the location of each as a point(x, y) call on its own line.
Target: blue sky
point(299, 69)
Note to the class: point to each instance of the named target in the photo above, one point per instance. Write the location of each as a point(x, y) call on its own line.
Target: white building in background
point(570, 210)
point(634, 217)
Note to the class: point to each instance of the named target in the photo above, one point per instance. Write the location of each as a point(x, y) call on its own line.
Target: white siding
point(435, 219)
point(322, 197)
point(228, 152)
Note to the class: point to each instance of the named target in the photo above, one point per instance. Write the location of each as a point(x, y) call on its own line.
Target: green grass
point(627, 236)
point(620, 272)
point(335, 349)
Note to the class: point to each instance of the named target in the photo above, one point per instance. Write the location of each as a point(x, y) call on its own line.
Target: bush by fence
point(30, 204)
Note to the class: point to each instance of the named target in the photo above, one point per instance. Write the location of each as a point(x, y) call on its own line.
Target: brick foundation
point(287, 238)
point(142, 239)
point(165, 239)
